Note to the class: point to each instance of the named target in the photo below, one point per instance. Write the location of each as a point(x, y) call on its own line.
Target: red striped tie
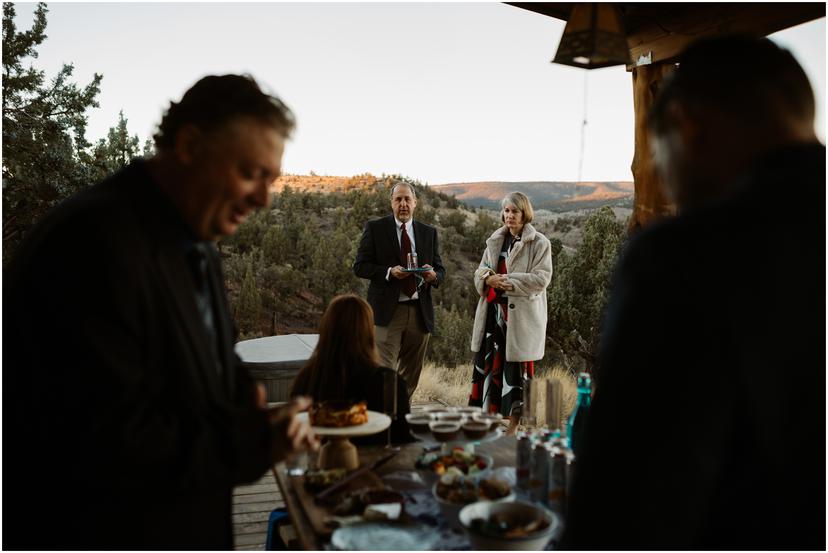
point(408, 286)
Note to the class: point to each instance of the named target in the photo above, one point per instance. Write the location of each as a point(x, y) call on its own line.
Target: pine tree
point(44, 126)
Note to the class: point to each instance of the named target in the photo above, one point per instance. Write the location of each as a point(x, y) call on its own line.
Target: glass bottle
point(579, 415)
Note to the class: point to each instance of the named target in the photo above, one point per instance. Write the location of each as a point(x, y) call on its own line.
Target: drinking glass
point(529, 409)
point(297, 465)
point(411, 261)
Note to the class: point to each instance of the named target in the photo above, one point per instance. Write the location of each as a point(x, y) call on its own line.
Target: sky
point(440, 92)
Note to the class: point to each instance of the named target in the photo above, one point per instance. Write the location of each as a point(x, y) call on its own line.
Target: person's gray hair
point(409, 186)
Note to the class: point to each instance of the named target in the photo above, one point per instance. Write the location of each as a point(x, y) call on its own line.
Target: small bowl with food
point(435, 410)
point(512, 526)
point(475, 430)
point(444, 431)
point(432, 465)
point(492, 419)
point(469, 411)
point(451, 417)
point(453, 491)
point(418, 422)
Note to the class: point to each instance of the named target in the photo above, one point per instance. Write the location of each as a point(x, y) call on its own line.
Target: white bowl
point(452, 510)
point(487, 542)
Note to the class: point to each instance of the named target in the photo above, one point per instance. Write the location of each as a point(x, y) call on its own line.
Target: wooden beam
point(549, 9)
point(651, 203)
point(665, 29)
point(664, 32)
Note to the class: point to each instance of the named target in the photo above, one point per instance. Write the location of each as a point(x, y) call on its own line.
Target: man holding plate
point(401, 295)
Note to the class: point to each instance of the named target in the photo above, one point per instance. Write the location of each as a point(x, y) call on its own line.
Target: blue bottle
point(577, 420)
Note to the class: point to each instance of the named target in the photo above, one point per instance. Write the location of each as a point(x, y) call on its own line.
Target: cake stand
point(339, 452)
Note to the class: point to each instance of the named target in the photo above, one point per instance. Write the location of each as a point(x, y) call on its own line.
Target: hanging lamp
point(593, 38)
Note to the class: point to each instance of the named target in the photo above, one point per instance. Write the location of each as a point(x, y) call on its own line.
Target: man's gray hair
point(409, 186)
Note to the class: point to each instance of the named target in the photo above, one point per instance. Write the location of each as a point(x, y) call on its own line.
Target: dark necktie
point(407, 284)
point(203, 297)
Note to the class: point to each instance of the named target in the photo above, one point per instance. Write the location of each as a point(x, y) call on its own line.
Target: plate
point(384, 536)
point(377, 422)
point(417, 270)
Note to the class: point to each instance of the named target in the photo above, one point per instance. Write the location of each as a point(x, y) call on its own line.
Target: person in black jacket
point(345, 366)
point(402, 303)
point(127, 415)
point(707, 429)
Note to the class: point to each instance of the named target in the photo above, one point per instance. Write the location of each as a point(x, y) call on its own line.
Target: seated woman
point(344, 366)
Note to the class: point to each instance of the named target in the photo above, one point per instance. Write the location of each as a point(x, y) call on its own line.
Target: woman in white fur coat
point(510, 322)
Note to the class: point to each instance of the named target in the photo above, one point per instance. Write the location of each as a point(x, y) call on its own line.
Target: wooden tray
point(317, 513)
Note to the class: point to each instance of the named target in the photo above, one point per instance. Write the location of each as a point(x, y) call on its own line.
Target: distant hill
point(554, 196)
point(325, 184)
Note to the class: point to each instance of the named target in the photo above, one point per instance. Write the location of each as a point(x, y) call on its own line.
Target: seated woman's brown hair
point(345, 365)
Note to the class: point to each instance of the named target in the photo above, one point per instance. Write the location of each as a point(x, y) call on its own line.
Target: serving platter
point(339, 452)
point(377, 422)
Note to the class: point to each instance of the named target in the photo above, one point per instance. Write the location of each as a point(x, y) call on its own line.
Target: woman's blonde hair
point(520, 201)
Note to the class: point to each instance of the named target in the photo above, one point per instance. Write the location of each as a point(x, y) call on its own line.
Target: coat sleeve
point(482, 273)
point(539, 275)
point(366, 264)
point(685, 434)
point(438, 263)
point(124, 431)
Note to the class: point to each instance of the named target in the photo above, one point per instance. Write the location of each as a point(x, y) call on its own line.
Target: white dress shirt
point(409, 229)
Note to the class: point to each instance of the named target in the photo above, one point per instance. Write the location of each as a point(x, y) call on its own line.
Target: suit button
point(511, 306)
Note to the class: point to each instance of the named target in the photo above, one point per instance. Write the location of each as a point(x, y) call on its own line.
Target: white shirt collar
point(408, 225)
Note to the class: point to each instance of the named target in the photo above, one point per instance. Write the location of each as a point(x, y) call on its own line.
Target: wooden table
point(502, 451)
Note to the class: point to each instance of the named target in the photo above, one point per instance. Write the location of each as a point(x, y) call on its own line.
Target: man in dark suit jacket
point(403, 308)
point(707, 428)
point(128, 417)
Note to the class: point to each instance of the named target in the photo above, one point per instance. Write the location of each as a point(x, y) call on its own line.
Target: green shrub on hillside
point(580, 289)
point(450, 343)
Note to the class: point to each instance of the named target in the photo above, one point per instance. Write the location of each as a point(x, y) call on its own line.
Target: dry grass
point(452, 386)
point(448, 385)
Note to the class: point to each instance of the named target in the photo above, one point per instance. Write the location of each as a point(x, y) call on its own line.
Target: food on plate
point(492, 489)
point(510, 525)
point(466, 463)
point(320, 479)
point(475, 430)
point(339, 413)
point(455, 488)
point(444, 431)
point(357, 502)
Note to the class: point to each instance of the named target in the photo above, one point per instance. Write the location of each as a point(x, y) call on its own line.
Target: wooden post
point(650, 201)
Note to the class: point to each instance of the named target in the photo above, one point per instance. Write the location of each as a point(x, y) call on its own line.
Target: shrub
point(449, 344)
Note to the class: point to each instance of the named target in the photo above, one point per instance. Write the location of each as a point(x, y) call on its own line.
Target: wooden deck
point(252, 505)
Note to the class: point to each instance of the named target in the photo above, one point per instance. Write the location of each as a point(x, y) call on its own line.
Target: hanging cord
point(583, 126)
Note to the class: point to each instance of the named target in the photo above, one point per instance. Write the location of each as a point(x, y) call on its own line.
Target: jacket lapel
point(175, 272)
point(494, 243)
point(423, 256)
point(393, 240)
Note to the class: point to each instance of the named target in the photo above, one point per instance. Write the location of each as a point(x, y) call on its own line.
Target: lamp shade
point(594, 37)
